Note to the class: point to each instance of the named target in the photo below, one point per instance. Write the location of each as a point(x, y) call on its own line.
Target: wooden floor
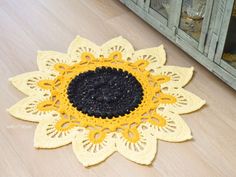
point(30, 25)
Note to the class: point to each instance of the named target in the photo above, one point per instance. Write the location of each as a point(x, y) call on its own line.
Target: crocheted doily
point(106, 98)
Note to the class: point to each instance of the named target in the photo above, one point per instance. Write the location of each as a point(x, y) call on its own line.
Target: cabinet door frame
point(144, 13)
point(169, 29)
point(155, 14)
point(226, 16)
point(226, 12)
point(140, 3)
point(158, 21)
point(200, 44)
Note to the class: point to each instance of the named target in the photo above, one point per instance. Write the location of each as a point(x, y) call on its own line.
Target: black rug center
point(106, 92)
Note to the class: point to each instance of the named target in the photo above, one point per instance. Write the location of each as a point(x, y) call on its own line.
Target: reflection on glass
point(161, 6)
point(230, 43)
point(192, 16)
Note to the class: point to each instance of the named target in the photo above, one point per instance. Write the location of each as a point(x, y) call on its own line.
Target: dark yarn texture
point(105, 92)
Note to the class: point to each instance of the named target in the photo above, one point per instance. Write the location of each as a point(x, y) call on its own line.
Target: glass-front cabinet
point(205, 29)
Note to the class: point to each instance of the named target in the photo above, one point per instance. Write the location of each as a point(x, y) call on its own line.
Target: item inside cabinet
point(192, 16)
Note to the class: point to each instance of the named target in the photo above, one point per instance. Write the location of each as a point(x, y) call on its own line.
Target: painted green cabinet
point(205, 29)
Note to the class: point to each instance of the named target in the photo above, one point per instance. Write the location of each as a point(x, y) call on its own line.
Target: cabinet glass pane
point(161, 6)
point(192, 15)
point(229, 54)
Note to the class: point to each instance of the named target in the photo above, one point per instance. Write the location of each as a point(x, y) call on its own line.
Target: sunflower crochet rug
point(106, 98)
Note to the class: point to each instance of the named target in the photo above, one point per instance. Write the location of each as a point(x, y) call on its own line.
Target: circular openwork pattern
point(106, 92)
point(104, 99)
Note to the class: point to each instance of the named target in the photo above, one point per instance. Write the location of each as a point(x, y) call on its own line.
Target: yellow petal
point(89, 152)
point(28, 82)
point(155, 56)
point(47, 60)
point(141, 151)
point(118, 44)
point(174, 128)
point(179, 76)
point(27, 109)
point(81, 45)
point(47, 135)
point(186, 102)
